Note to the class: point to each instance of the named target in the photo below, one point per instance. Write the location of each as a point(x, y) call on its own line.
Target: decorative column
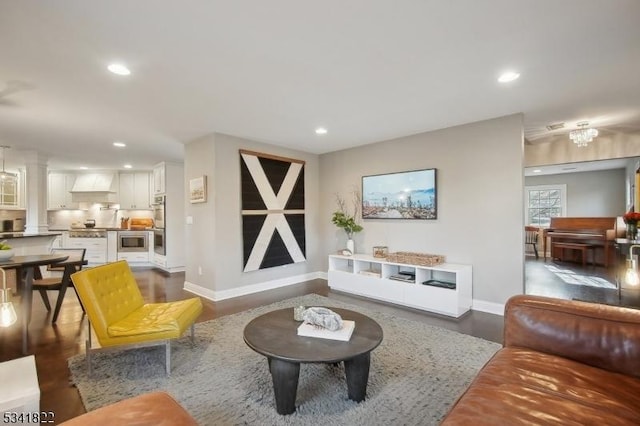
point(36, 192)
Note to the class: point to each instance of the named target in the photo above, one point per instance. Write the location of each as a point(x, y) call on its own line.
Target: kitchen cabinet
point(9, 189)
point(57, 242)
point(134, 190)
point(59, 195)
point(160, 260)
point(159, 176)
point(134, 257)
point(96, 247)
point(174, 214)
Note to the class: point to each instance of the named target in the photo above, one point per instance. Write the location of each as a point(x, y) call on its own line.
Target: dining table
point(26, 267)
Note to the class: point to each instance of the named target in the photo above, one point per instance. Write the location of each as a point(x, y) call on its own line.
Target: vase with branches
point(346, 218)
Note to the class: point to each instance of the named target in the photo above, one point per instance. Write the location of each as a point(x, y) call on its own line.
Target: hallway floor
point(560, 279)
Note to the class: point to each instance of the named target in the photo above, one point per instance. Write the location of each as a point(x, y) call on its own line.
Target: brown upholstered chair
point(152, 409)
point(531, 237)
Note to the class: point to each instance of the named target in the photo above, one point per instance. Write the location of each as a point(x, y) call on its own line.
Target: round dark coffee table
point(274, 335)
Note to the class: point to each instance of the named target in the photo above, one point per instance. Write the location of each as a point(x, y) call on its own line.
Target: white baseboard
point(199, 290)
point(169, 270)
point(489, 307)
point(249, 289)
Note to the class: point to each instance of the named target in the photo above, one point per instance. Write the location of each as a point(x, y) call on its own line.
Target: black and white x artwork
point(273, 230)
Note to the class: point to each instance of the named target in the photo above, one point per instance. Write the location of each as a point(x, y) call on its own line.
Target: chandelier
point(4, 174)
point(583, 135)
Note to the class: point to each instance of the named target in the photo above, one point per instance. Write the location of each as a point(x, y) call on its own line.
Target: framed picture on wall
point(402, 195)
point(198, 189)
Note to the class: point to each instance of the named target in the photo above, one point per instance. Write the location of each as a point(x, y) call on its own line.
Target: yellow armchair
point(119, 316)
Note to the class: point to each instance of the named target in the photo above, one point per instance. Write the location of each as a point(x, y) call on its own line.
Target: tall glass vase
point(632, 231)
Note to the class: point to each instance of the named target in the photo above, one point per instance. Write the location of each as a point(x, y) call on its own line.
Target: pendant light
point(4, 174)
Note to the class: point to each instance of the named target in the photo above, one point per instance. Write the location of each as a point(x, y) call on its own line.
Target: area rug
point(571, 277)
point(416, 374)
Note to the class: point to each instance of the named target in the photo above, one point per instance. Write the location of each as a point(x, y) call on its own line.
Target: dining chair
point(62, 281)
point(531, 237)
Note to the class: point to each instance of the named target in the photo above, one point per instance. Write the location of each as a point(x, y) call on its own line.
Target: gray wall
point(214, 240)
point(589, 194)
point(480, 205)
point(200, 236)
point(480, 200)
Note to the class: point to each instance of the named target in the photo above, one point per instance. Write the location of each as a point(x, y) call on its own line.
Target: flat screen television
point(402, 195)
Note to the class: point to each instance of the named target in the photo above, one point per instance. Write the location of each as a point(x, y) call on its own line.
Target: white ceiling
point(273, 71)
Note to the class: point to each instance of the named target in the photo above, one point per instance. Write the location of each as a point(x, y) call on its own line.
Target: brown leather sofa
point(563, 363)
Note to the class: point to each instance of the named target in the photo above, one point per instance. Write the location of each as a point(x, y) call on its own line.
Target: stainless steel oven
point(132, 241)
point(159, 242)
point(158, 211)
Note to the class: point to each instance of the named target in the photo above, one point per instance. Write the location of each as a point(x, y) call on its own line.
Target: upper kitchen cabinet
point(134, 190)
point(59, 191)
point(9, 193)
point(159, 175)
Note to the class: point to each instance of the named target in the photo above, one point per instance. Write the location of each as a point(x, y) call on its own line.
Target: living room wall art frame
point(198, 189)
point(401, 195)
point(273, 210)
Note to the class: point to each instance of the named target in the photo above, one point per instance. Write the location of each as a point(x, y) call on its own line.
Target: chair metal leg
point(192, 333)
point(535, 250)
point(88, 356)
point(88, 347)
point(168, 357)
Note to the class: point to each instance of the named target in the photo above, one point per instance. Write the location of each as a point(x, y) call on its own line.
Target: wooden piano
point(589, 232)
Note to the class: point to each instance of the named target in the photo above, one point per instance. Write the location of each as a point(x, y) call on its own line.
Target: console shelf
point(444, 289)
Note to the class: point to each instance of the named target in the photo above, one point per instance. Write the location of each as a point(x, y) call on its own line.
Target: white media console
point(447, 288)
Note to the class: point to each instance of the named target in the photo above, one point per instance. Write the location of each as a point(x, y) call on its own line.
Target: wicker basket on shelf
point(420, 259)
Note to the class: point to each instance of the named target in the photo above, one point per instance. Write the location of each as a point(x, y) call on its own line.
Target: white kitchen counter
point(25, 244)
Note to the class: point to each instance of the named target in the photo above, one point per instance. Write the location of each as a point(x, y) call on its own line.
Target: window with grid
point(544, 202)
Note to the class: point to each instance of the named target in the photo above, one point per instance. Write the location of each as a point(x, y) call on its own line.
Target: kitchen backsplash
point(13, 220)
point(105, 218)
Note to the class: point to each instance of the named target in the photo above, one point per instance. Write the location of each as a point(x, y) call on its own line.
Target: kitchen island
point(25, 244)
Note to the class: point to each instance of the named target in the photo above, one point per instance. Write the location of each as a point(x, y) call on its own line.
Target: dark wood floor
point(541, 279)
point(53, 344)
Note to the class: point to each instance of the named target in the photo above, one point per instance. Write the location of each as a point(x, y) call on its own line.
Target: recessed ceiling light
point(84, 168)
point(119, 69)
point(119, 144)
point(508, 76)
point(321, 131)
point(127, 166)
point(537, 171)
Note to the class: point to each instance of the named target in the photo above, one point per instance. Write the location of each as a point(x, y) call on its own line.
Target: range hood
point(94, 188)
